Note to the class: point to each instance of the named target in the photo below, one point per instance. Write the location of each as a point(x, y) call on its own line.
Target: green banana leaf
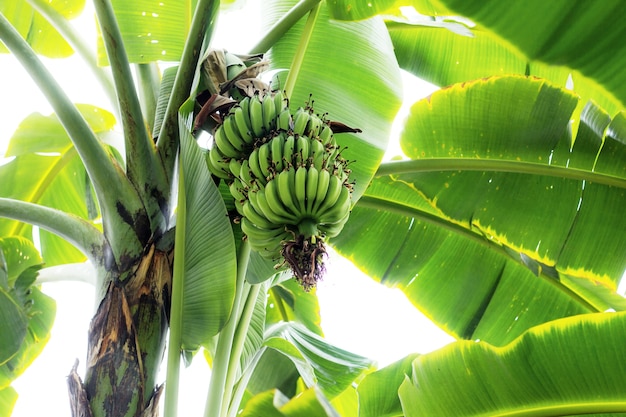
point(586, 36)
point(362, 9)
point(378, 391)
point(310, 403)
point(40, 320)
point(320, 364)
point(350, 71)
point(452, 240)
point(8, 397)
point(44, 168)
point(287, 302)
point(27, 314)
point(19, 255)
point(547, 39)
point(210, 266)
point(13, 318)
point(152, 30)
point(37, 31)
point(481, 55)
point(571, 366)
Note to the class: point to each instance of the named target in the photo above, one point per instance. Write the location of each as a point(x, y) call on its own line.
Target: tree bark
point(126, 343)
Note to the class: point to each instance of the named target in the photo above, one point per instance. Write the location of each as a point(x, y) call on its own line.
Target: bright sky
point(357, 314)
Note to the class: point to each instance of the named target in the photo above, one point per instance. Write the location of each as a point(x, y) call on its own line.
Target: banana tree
point(502, 222)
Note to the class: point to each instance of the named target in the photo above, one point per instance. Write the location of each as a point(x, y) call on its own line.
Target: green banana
point(280, 102)
point(277, 144)
point(300, 188)
point(244, 174)
point(332, 230)
point(242, 120)
point(338, 210)
point(323, 180)
point(255, 217)
point(288, 150)
point(274, 200)
point(300, 121)
point(269, 114)
point(259, 238)
point(218, 164)
point(283, 120)
point(260, 201)
point(236, 188)
point(232, 134)
point(256, 116)
point(265, 160)
point(302, 150)
point(332, 194)
point(223, 144)
point(313, 126)
point(253, 162)
point(234, 166)
point(318, 152)
point(286, 182)
point(326, 134)
point(311, 188)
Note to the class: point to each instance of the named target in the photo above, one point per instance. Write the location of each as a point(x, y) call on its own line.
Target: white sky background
point(358, 314)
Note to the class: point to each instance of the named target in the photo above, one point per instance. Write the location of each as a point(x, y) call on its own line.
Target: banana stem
point(225, 341)
point(286, 22)
point(176, 314)
point(238, 344)
point(301, 51)
point(199, 35)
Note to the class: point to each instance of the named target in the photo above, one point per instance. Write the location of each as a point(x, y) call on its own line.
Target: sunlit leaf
point(362, 9)
point(8, 397)
point(454, 239)
point(19, 254)
point(320, 364)
point(310, 403)
point(378, 391)
point(43, 167)
point(152, 30)
point(210, 266)
point(586, 37)
point(288, 302)
point(571, 366)
point(37, 31)
point(41, 318)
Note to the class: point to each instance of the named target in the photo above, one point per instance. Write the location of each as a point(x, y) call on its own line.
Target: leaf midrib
point(497, 165)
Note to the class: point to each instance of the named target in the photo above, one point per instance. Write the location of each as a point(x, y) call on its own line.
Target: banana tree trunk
point(126, 343)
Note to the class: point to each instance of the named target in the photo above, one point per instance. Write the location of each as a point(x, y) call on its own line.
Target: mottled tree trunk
point(126, 343)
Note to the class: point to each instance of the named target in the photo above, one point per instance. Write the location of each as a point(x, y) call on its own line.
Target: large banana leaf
point(320, 364)
point(152, 30)
point(310, 403)
point(586, 36)
point(572, 366)
point(210, 266)
point(44, 168)
point(37, 31)
point(287, 302)
point(350, 70)
point(452, 240)
point(8, 397)
point(27, 314)
point(584, 39)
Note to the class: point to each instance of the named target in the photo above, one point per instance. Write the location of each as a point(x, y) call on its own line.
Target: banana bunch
point(288, 179)
point(251, 121)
